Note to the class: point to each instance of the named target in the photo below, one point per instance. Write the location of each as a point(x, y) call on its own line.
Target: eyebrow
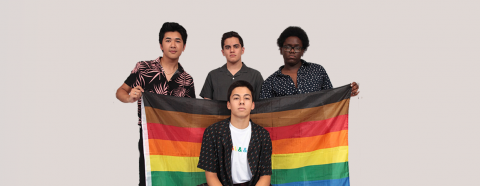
point(243, 95)
point(171, 38)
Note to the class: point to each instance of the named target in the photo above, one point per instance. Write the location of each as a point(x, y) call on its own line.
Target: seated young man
point(237, 151)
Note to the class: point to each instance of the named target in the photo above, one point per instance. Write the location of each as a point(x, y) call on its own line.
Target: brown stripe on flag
point(291, 117)
point(181, 119)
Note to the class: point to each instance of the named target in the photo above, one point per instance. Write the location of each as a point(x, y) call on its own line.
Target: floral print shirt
point(151, 77)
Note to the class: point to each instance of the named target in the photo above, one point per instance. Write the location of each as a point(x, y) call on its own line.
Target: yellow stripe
point(174, 163)
point(318, 157)
point(279, 161)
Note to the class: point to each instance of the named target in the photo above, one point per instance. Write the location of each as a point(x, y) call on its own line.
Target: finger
point(140, 88)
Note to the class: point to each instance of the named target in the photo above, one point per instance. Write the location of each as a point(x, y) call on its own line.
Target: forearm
point(122, 95)
point(264, 180)
point(212, 179)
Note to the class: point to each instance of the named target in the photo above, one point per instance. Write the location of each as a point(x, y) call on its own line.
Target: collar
point(279, 71)
point(242, 70)
point(179, 70)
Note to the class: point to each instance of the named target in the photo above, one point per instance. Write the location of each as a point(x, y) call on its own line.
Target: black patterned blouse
point(311, 77)
point(150, 76)
point(216, 152)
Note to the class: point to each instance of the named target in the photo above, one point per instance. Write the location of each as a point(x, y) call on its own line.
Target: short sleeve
point(132, 80)
point(326, 84)
point(266, 90)
point(258, 86)
point(207, 90)
point(208, 160)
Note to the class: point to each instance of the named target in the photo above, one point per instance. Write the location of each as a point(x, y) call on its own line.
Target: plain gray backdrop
point(416, 61)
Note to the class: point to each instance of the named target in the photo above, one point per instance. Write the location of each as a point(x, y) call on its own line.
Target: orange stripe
point(309, 144)
point(174, 148)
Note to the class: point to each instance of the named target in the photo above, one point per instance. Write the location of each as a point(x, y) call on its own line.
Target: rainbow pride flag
point(309, 135)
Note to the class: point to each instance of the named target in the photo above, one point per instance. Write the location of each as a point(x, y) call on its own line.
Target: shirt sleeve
point(207, 90)
point(258, 86)
point(133, 80)
point(208, 160)
point(266, 156)
point(326, 84)
point(266, 90)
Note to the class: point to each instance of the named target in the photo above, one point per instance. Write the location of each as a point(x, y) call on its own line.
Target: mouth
point(173, 51)
point(241, 109)
point(233, 55)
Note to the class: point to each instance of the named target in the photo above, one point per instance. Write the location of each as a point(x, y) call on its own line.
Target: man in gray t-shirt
point(218, 80)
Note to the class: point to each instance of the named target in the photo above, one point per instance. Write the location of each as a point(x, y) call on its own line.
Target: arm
point(212, 179)
point(266, 160)
point(207, 90)
point(264, 180)
point(258, 86)
point(266, 90)
point(128, 94)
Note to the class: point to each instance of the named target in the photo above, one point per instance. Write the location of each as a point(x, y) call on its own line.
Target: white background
point(416, 62)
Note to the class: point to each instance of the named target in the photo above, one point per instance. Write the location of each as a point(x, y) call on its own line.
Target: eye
point(227, 47)
point(178, 41)
point(236, 46)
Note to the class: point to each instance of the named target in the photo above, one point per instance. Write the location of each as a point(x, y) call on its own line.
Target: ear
point(253, 105)
point(281, 51)
point(228, 105)
point(184, 46)
point(243, 50)
point(161, 47)
point(223, 53)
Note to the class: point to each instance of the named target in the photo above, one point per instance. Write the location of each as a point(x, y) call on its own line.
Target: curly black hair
point(294, 31)
point(172, 27)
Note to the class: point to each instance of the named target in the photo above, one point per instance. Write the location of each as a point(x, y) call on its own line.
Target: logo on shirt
point(239, 149)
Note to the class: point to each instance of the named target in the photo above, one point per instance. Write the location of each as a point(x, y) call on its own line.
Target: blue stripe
point(335, 182)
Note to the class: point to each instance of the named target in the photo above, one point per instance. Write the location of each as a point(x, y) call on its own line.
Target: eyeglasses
point(288, 48)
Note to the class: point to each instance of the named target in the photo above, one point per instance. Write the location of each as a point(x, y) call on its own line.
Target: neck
point(292, 67)
point(240, 123)
point(168, 63)
point(234, 67)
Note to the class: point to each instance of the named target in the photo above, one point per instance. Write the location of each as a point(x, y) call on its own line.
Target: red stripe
point(168, 132)
point(305, 129)
point(310, 128)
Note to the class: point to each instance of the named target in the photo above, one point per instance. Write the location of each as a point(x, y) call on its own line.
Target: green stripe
point(280, 176)
point(311, 173)
point(160, 178)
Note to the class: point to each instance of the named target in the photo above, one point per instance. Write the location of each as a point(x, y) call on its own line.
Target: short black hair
point(294, 31)
point(239, 83)
point(230, 34)
point(172, 27)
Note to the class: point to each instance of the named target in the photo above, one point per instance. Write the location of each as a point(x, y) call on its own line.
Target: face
point(232, 50)
point(172, 45)
point(241, 102)
point(291, 57)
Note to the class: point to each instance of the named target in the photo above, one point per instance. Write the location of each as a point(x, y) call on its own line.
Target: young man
point(163, 75)
point(236, 151)
point(296, 76)
point(218, 80)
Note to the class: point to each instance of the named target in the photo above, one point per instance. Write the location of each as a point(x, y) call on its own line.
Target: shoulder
point(271, 78)
point(218, 127)
point(313, 65)
point(260, 129)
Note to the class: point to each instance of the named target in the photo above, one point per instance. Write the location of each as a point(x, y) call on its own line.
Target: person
point(237, 151)
point(218, 80)
point(163, 75)
point(296, 76)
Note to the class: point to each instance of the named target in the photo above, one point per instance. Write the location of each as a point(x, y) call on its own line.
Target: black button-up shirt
point(311, 77)
point(216, 152)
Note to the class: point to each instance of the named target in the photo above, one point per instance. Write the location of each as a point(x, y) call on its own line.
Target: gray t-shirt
point(218, 80)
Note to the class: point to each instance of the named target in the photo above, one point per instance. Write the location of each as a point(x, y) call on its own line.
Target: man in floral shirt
point(163, 75)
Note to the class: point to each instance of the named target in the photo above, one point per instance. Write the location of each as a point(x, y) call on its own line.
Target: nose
point(242, 101)
point(292, 51)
